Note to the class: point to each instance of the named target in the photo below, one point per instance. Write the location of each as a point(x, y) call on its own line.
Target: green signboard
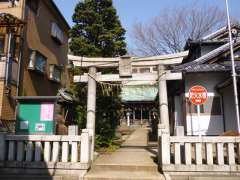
point(35, 116)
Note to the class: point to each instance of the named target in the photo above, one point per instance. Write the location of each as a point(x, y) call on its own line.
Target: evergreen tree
point(98, 33)
point(97, 30)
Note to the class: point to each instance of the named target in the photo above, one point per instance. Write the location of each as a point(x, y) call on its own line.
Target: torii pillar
point(91, 106)
point(163, 101)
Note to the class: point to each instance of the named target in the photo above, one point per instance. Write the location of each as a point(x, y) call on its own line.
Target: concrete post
point(164, 148)
point(85, 147)
point(91, 105)
point(2, 146)
point(163, 99)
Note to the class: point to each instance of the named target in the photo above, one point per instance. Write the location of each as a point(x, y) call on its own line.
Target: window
point(37, 62)
point(57, 33)
point(155, 69)
point(54, 73)
point(40, 63)
point(33, 5)
point(211, 107)
point(2, 40)
point(134, 70)
point(144, 70)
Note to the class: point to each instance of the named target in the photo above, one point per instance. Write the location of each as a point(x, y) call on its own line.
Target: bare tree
point(168, 32)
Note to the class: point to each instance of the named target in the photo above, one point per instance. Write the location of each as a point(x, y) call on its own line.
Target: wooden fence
point(199, 154)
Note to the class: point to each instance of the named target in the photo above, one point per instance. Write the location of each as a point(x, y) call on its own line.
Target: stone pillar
point(163, 100)
point(149, 115)
point(128, 119)
point(91, 105)
point(134, 117)
point(85, 147)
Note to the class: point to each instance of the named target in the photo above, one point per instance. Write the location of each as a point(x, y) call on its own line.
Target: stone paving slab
point(126, 156)
point(134, 160)
point(138, 138)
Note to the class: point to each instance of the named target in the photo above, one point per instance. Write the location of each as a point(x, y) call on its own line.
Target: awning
point(139, 93)
point(9, 20)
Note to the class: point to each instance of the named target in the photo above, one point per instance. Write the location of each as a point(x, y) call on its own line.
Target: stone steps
point(117, 167)
point(133, 161)
point(123, 175)
point(123, 172)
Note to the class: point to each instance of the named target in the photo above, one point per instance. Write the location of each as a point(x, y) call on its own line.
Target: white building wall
point(229, 108)
point(178, 111)
point(209, 124)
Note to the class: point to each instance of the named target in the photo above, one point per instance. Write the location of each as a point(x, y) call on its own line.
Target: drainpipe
point(19, 69)
point(23, 34)
point(8, 57)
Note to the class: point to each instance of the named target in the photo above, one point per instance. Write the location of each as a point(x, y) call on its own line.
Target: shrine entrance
point(140, 113)
point(150, 72)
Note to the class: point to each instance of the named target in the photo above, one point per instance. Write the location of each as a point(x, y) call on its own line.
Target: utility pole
point(234, 75)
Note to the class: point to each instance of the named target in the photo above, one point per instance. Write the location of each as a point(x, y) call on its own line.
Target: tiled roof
point(207, 68)
point(221, 31)
point(196, 64)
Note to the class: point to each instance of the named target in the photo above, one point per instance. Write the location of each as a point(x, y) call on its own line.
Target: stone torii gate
point(125, 65)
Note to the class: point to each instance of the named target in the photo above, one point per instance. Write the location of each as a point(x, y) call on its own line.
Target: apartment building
point(33, 51)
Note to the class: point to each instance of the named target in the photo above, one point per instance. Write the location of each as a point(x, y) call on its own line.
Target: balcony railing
point(13, 70)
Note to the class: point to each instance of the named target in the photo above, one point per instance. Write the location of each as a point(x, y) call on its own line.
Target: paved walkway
point(134, 160)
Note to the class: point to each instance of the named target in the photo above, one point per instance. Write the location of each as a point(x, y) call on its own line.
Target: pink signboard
point(47, 111)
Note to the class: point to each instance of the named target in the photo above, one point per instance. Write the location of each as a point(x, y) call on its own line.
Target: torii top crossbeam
point(126, 65)
point(169, 59)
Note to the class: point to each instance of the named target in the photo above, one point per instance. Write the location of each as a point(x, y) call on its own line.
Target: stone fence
point(45, 154)
point(199, 154)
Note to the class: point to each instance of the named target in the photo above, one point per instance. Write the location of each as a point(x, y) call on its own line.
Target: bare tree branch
point(168, 32)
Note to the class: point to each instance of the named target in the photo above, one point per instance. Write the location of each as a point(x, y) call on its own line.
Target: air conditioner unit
point(31, 64)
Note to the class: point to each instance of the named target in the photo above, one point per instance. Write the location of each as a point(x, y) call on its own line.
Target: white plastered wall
point(229, 108)
point(209, 124)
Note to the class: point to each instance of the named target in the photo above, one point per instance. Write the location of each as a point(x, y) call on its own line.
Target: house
point(33, 50)
point(209, 65)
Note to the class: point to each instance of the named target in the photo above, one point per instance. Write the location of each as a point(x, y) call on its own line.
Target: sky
point(131, 11)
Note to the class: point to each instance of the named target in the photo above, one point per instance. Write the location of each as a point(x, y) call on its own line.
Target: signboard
point(47, 111)
point(198, 95)
point(35, 115)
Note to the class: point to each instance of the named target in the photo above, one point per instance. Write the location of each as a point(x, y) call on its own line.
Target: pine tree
point(97, 30)
point(97, 33)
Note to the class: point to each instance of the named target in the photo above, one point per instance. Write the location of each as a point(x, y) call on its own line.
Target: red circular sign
point(198, 95)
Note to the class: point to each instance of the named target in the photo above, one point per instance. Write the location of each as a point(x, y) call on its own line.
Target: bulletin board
point(35, 116)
